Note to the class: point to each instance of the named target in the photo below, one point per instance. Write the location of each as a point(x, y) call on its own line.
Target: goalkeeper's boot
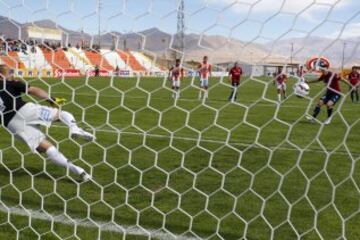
point(80, 133)
point(327, 121)
point(85, 177)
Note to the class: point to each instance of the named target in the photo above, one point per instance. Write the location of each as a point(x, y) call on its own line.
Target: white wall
point(257, 71)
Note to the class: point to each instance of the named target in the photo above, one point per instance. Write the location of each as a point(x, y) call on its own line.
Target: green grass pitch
point(214, 170)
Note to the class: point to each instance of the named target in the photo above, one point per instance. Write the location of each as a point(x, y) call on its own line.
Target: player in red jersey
point(235, 74)
point(280, 82)
point(176, 73)
point(205, 73)
point(333, 91)
point(354, 79)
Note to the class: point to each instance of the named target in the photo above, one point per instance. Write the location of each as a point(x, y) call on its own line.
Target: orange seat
point(97, 59)
point(131, 61)
point(12, 60)
point(57, 59)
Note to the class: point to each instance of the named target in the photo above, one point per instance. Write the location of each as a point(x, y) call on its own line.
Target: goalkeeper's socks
point(329, 111)
point(352, 96)
point(279, 97)
point(316, 111)
point(68, 119)
point(59, 159)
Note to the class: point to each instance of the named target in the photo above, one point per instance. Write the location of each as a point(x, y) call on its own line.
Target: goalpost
point(184, 168)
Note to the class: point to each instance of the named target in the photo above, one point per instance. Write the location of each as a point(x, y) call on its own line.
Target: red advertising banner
point(67, 73)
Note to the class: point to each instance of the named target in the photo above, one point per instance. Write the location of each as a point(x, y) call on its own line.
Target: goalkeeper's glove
point(57, 101)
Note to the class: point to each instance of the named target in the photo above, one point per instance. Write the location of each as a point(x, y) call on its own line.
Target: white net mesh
point(182, 168)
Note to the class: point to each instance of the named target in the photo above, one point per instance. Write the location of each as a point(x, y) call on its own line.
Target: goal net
point(167, 164)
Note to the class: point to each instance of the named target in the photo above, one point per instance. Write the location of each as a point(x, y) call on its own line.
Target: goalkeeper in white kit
point(24, 119)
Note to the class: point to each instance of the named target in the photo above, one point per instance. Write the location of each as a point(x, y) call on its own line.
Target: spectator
point(97, 71)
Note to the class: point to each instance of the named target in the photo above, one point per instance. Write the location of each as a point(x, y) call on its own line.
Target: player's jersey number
point(45, 114)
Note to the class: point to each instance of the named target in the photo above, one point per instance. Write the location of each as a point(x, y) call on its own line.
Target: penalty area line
point(102, 226)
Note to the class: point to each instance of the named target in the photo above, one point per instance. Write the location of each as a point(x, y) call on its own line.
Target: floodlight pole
point(291, 57)
point(180, 35)
point(99, 20)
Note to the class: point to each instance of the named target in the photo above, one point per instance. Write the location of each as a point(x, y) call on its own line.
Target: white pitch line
point(102, 226)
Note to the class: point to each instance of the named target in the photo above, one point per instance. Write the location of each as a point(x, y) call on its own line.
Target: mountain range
point(220, 49)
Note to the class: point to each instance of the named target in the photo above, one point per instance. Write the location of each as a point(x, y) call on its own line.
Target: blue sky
point(249, 20)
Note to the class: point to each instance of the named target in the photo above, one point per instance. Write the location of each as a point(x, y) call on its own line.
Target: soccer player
point(333, 91)
point(205, 73)
point(280, 82)
point(23, 120)
point(235, 75)
point(300, 73)
point(176, 73)
point(354, 79)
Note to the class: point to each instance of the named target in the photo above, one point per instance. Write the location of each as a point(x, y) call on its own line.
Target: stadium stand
point(39, 59)
point(57, 58)
point(78, 60)
point(114, 59)
point(49, 56)
point(146, 62)
point(97, 59)
point(131, 61)
point(12, 60)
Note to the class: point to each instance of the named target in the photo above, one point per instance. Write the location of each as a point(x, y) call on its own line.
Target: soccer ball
point(316, 63)
point(301, 89)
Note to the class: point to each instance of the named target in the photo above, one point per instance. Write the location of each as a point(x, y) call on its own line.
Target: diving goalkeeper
point(23, 119)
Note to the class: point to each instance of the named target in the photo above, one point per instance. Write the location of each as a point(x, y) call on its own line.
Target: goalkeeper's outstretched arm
point(42, 94)
point(38, 92)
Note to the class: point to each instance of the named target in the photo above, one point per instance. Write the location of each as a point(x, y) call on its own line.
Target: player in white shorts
point(205, 73)
point(24, 119)
point(176, 73)
point(301, 73)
